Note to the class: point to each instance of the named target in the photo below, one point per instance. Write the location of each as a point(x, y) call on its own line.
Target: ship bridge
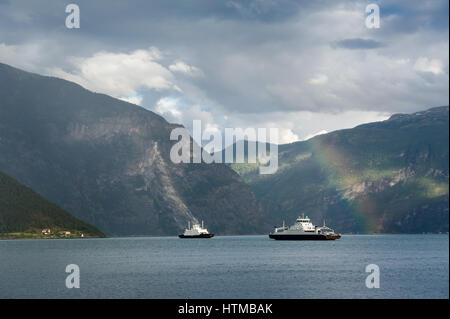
point(305, 224)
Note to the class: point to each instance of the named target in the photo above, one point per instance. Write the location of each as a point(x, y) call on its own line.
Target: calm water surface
point(411, 266)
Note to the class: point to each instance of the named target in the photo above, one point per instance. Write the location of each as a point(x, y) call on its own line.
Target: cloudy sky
point(305, 67)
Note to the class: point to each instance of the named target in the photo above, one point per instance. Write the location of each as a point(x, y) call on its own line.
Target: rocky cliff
point(390, 176)
point(107, 162)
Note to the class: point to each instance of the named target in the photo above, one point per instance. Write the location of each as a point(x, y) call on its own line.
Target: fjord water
point(411, 266)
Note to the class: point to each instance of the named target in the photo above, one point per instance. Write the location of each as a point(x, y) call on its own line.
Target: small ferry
point(196, 231)
point(303, 229)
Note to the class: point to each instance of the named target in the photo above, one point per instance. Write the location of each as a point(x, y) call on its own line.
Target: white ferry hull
point(303, 229)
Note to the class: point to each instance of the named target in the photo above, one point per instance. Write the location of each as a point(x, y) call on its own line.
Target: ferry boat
point(303, 229)
point(196, 231)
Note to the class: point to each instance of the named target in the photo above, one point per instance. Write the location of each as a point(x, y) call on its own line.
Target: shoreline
point(176, 236)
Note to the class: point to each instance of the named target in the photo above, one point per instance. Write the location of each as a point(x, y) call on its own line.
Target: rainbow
point(342, 176)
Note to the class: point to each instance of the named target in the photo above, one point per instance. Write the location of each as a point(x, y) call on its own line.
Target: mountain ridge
point(377, 177)
point(24, 213)
point(107, 162)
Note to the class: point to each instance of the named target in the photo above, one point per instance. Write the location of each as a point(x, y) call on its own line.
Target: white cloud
point(319, 79)
point(134, 99)
point(286, 136)
point(286, 71)
point(168, 107)
point(309, 136)
point(197, 112)
point(120, 74)
point(423, 64)
point(7, 52)
point(297, 126)
point(22, 56)
point(180, 66)
point(402, 61)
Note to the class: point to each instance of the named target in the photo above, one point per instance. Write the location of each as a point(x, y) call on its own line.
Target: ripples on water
point(411, 266)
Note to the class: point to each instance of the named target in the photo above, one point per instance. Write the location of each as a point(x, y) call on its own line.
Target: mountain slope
point(24, 211)
point(107, 162)
point(390, 176)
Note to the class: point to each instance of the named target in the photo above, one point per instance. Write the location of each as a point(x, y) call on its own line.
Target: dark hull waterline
point(197, 236)
point(304, 237)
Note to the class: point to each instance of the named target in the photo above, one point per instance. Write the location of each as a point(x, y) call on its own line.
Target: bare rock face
point(107, 162)
point(367, 187)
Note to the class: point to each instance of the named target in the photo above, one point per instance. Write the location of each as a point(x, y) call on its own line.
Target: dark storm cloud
point(255, 57)
point(415, 14)
point(357, 44)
